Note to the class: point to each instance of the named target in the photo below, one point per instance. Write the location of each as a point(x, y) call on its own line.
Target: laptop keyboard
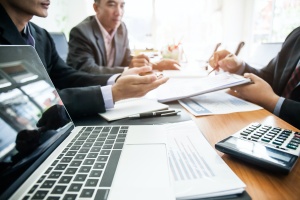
point(85, 168)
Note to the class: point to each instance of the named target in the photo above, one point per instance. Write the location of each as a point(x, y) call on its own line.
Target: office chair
point(61, 44)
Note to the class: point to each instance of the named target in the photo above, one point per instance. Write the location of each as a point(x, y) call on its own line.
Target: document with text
point(179, 88)
point(215, 103)
point(198, 171)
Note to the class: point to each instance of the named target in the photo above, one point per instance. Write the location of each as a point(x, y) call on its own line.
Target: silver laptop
point(44, 156)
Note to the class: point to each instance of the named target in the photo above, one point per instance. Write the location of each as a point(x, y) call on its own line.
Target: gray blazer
point(87, 49)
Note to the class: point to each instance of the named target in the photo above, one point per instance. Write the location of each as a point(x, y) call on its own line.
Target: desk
point(260, 183)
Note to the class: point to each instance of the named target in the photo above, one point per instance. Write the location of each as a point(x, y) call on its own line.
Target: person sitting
point(99, 44)
point(82, 93)
point(276, 86)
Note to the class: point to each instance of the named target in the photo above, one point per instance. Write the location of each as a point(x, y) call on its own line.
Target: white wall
point(234, 16)
point(64, 15)
point(237, 24)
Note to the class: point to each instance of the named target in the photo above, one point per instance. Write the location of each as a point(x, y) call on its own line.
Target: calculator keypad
point(275, 137)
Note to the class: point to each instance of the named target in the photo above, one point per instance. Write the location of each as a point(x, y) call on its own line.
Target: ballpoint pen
point(228, 56)
point(155, 114)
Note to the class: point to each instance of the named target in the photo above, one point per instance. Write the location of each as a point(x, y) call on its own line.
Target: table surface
point(260, 183)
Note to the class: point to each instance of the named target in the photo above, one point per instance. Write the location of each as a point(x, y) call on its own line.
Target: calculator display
point(258, 154)
point(260, 151)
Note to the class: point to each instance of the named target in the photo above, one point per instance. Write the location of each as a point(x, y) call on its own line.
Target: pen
point(155, 114)
point(229, 55)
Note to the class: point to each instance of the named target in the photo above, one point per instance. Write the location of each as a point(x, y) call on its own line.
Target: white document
point(179, 88)
point(216, 103)
point(125, 108)
point(185, 73)
point(198, 171)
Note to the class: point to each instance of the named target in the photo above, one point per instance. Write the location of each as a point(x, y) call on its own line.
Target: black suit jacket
point(87, 48)
point(278, 72)
point(80, 92)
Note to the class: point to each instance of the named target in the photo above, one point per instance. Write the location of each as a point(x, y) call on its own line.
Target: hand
point(137, 71)
point(225, 60)
point(166, 64)
point(139, 60)
point(131, 86)
point(259, 93)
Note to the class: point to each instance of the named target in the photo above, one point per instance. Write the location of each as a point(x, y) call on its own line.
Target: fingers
point(135, 86)
point(167, 64)
point(217, 56)
point(140, 60)
point(253, 77)
point(137, 70)
point(143, 69)
point(142, 56)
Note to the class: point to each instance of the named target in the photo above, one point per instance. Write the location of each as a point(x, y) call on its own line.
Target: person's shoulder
point(86, 22)
point(295, 32)
point(123, 26)
point(122, 29)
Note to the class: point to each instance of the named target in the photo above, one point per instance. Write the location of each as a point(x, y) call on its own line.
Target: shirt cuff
point(112, 79)
point(242, 69)
point(107, 96)
point(278, 106)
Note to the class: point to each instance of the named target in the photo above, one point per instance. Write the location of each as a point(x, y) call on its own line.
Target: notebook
point(57, 160)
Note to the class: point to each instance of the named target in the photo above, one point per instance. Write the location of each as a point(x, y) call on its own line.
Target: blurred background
point(198, 25)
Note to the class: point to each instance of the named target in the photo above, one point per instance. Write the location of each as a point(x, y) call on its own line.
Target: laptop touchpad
point(142, 173)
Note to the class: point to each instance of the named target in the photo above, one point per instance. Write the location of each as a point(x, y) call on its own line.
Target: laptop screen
point(32, 116)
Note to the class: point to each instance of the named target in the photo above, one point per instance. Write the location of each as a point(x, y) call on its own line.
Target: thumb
point(139, 70)
point(251, 76)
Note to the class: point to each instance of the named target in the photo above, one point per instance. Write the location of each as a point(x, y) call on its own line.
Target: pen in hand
point(214, 69)
point(155, 114)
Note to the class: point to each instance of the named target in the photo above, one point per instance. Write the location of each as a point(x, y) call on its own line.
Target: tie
point(293, 81)
point(28, 37)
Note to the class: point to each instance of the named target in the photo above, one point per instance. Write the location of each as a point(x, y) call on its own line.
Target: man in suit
point(99, 44)
point(82, 93)
point(272, 88)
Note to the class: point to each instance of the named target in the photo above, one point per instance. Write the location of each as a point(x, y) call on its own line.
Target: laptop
point(43, 155)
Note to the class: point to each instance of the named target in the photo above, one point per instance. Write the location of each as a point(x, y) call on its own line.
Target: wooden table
point(260, 183)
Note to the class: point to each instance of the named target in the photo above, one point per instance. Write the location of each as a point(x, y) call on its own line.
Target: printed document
point(216, 103)
point(198, 171)
point(179, 88)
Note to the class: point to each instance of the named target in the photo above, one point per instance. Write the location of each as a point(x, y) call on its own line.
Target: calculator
point(269, 147)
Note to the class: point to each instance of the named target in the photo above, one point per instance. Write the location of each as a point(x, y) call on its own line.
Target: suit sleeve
point(83, 101)
point(83, 54)
point(79, 91)
point(290, 112)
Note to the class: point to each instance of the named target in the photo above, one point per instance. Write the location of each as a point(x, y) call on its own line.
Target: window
point(275, 19)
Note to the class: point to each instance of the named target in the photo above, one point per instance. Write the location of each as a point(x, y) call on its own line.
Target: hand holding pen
point(226, 60)
point(228, 63)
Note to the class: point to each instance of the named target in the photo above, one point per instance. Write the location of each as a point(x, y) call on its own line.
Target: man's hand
point(166, 64)
point(137, 71)
point(225, 60)
point(131, 86)
point(259, 93)
point(139, 61)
